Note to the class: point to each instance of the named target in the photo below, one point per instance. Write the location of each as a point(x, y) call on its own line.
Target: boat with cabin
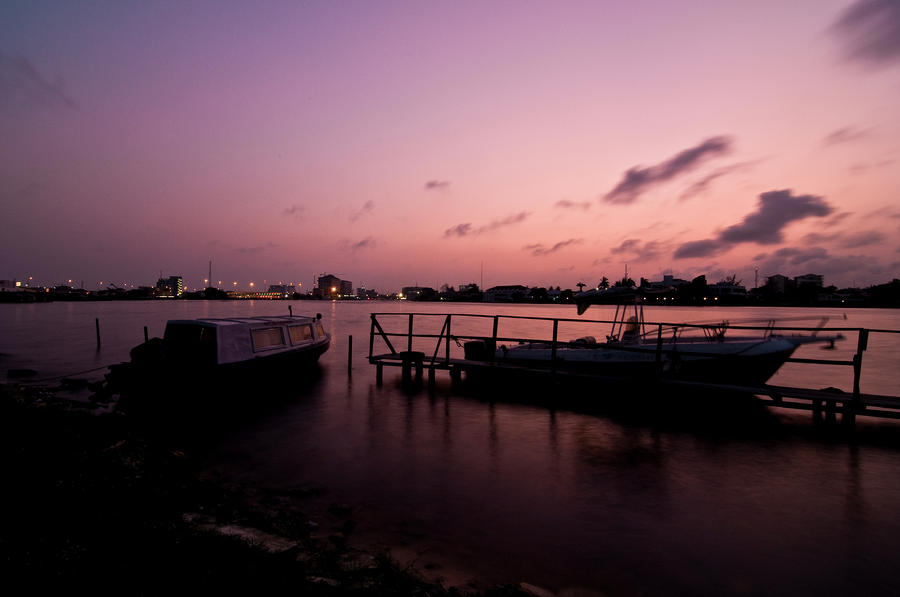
point(223, 354)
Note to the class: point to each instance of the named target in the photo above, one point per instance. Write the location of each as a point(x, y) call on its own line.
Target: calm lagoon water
point(758, 502)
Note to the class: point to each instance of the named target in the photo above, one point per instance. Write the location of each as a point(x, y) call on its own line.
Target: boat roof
point(244, 321)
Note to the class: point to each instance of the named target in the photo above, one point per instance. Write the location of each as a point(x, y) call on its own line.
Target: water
point(754, 502)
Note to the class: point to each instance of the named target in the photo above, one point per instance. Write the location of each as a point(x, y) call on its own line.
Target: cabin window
point(264, 338)
point(300, 333)
point(320, 331)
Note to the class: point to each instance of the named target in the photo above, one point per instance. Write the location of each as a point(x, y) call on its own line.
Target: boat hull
point(737, 364)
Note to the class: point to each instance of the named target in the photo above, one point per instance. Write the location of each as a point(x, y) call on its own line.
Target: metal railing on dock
point(434, 341)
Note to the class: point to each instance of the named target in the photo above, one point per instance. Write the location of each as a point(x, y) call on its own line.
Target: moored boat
point(635, 351)
point(220, 356)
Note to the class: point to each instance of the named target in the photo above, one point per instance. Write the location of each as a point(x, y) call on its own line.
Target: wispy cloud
point(433, 185)
point(700, 186)
point(870, 30)
point(367, 207)
point(539, 249)
point(354, 246)
point(294, 210)
point(22, 85)
point(845, 134)
point(636, 180)
point(776, 209)
point(640, 251)
point(566, 204)
point(466, 229)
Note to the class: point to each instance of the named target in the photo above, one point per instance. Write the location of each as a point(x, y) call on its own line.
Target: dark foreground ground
point(107, 503)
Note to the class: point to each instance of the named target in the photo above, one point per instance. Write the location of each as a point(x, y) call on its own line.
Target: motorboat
point(636, 350)
point(240, 342)
point(218, 356)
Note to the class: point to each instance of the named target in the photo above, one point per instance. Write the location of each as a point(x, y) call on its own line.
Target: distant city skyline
point(405, 143)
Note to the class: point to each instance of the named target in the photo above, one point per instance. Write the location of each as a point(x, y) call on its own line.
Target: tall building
point(329, 286)
point(171, 287)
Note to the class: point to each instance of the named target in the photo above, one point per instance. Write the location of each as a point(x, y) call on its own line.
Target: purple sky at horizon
point(401, 143)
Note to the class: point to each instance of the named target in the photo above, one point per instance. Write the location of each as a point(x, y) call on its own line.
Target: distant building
point(778, 283)
point(329, 286)
point(810, 279)
point(365, 293)
point(418, 293)
point(285, 290)
point(10, 285)
point(506, 294)
point(171, 287)
point(667, 282)
point(727, 289)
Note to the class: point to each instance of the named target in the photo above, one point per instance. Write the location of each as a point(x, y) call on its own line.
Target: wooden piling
point(379, 374)
point(350, 354)
point(97, 327)
point(146, 334)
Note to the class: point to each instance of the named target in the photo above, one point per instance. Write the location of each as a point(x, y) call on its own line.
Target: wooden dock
point(416, 358)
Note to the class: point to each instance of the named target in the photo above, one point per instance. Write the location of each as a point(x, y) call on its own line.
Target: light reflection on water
point(751, 502)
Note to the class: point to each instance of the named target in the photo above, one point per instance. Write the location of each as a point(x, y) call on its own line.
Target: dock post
point(379, 374)
point(431, 378)
point(97, 327)
point(455, 375)
point(861, 345)
point(350, 354)
point(146, 335)
point(817, 411)
point(553, 347)
point(830, 414)
point(848, 415)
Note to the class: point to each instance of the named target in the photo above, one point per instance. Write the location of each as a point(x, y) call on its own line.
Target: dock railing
point(420, 330)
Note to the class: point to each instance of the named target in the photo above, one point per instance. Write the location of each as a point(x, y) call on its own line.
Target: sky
point(427, 143)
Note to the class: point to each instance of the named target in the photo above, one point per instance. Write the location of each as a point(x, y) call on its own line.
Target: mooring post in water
point(97, 327)
point(861, 345)
point(146, 335)
point(290, 310)
point(350, 354)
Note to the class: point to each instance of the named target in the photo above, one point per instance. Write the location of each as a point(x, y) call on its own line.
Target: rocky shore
point(100, 499)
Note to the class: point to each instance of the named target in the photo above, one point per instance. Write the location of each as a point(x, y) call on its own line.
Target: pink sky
point(401, 143)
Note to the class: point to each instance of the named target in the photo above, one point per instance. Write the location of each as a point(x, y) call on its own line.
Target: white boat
point(635, 351)
point(196, 346)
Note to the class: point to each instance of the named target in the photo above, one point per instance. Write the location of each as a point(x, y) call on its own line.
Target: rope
point(66, 375)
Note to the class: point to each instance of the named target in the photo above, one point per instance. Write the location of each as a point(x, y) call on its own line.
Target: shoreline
point(96, 495)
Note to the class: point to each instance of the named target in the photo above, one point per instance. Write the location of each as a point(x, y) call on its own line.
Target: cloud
point(647, 251)
point(366, 243)
point(459, 230)
point(862, 239)
point(432, 185)
point(870, 30)
point(539, 249)
point(22, 86)
point(294, 210)
point(566, 204)
point(700, 186)
point(637, 180)
point(698, 248)
point(845, 134)
point(467, 230)
point(367, 207)
point(776, 210)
